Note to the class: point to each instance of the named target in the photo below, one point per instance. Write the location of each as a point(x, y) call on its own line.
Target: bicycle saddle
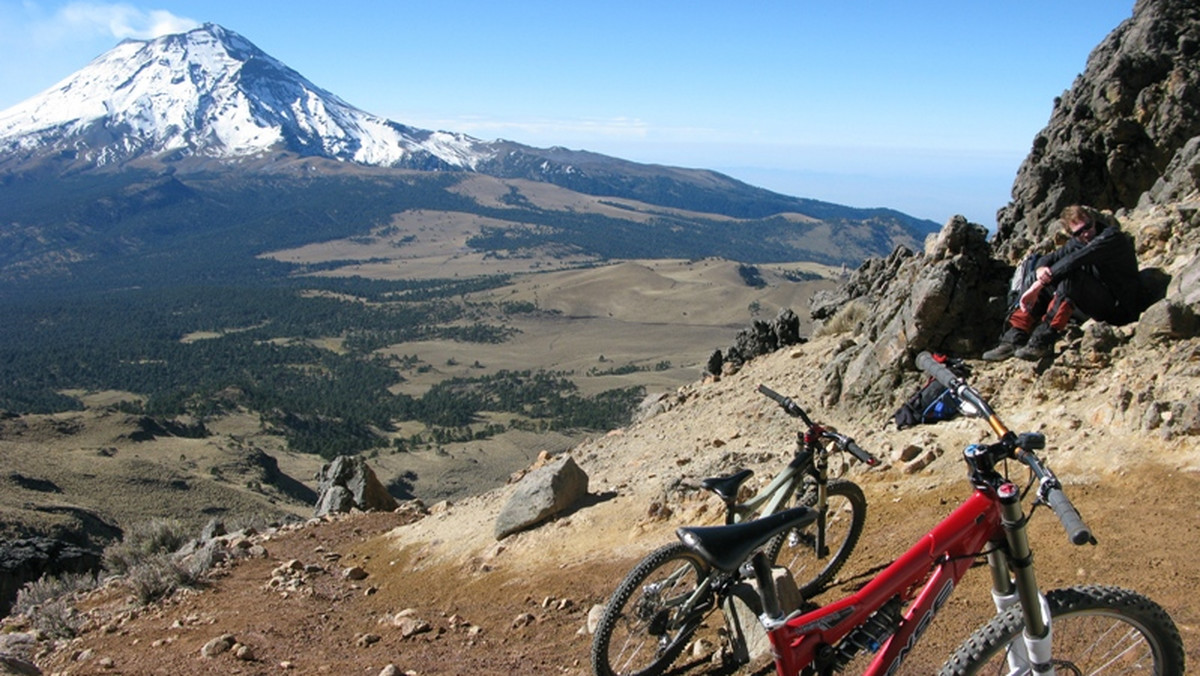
point(726, 547)
point(727, 486)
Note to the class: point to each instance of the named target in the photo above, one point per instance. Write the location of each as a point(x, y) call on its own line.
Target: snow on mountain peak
point(211, 93)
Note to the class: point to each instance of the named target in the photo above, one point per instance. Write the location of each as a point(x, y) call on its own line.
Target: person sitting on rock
point(1095, 273)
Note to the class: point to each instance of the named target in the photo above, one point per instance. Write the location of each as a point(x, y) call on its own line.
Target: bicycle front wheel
point(652, 614)
point(796, 550)
point(1095, 630)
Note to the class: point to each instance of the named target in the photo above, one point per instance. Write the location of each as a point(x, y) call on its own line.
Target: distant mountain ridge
point(211, 94)
point(202, 137)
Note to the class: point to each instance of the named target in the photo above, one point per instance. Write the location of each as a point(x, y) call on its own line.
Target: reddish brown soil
point(531, 621)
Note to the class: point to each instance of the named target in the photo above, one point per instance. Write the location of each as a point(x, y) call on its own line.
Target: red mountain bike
point(1079, 630)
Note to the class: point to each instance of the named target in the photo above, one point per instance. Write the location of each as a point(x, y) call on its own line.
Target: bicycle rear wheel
point(796, 549)
point(1096, 630)
point(652, 614)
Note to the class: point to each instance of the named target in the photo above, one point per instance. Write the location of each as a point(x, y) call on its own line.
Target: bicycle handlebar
point(854, 449)
point(1051, 493)
point(973, 403)
point(793, 409)
point(1050, 490)
point(945, 376)
point(1073, 523)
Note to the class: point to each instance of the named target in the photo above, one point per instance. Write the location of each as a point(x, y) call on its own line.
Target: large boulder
point(348, 483)
point(1115, 131)
point(542, 494)
point(950, 298)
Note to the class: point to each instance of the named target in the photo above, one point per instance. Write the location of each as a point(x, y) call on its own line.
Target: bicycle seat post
point(773, 615)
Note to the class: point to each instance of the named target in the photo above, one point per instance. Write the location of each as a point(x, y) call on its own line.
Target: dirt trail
point(521, 605)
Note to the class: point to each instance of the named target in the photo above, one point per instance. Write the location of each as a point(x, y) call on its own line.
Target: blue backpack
point(933, 402)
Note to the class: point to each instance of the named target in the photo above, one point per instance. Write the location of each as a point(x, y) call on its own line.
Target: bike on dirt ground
point(661, 603)
point(1087, 629)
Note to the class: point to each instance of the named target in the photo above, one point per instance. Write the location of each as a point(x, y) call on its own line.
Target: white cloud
point(117, 20)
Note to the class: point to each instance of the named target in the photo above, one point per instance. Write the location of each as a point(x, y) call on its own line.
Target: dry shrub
point(47, 603)
point(147, 559)
point(846, 320)
point(158, 576)
point(142, 542)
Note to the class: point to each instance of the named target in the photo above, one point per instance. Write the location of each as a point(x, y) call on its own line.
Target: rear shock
point(871, 634)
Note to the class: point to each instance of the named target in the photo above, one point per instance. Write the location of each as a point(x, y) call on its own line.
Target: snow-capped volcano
point(211, 93)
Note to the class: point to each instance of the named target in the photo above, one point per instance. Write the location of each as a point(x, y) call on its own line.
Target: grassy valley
point(448, 385)
point(412, 316)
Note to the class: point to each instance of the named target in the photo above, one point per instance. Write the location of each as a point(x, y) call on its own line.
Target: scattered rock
point(243, 652)
point(594, 616)
point(542, 494)
point(216, 646)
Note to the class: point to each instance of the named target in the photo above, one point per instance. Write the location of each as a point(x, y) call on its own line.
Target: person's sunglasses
point(1083, 229)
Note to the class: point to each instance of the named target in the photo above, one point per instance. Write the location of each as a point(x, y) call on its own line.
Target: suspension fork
point(1013, 581)
point(820, 472)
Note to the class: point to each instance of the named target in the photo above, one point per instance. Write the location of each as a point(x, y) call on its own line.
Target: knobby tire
point(1096, 630)
point(796, 549)
point(641, 633)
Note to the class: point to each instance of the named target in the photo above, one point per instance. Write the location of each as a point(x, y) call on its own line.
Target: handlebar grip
point(792, 408)
point(858, 452)
point(943, 375)
point(771, 394)
point(1069, 516)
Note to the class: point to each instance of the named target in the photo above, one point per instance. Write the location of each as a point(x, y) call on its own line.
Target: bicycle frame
point(931, 568)
point(776, 494)
point(675, 608)
point(811, 458)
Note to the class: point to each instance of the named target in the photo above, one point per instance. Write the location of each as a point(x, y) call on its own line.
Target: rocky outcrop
point(1126, 138)
point(542, 494)
point(28, 559)
point(756, 340)
point(348, 483)
point(1116, 131)
point(74, 544)
point(948, 298)
point(152, 427)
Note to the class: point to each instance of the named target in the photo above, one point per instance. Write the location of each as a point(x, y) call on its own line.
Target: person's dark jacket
point(1110, 259)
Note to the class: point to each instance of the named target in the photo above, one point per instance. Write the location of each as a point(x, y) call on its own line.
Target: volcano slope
point(441, 596)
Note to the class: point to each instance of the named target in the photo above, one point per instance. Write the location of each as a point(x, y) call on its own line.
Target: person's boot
point(1012, 339)
point(1041, 343)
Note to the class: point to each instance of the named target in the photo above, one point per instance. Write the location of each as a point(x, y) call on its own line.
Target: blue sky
point(925, 107)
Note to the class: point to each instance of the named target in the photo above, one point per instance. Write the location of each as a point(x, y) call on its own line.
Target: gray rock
point(10, 664)
point(543, 493)
point(950, 298)
point(216, 646)
point(1184, 287)
point(1110, 137)
point(1165, 320)
point(348, 483)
